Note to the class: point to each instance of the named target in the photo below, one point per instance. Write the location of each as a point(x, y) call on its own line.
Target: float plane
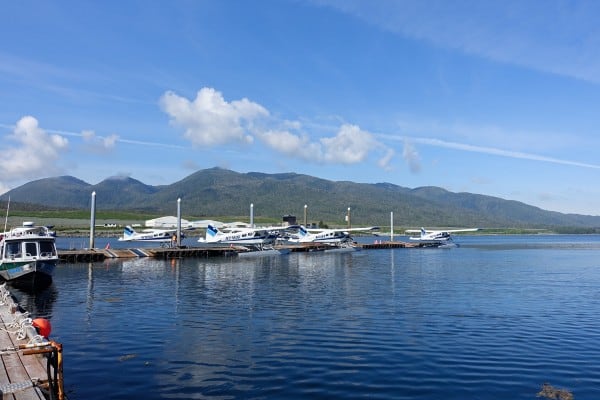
point(329, 236)
point(149, 235)
point(436, 237)
point(242, 236)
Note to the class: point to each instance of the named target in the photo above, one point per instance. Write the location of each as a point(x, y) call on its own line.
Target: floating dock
point(92, 255)
point(164, 253)
point(31, 365)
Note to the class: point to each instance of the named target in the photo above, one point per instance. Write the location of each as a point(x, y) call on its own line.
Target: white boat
point(27, 252)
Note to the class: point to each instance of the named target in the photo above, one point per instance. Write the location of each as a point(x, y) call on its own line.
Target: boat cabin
point(23, 248)
point(27, 242)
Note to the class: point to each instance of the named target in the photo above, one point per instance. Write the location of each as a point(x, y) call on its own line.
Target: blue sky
point(497, 98)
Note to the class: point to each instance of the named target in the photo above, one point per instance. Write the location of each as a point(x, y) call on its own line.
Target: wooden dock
point(25, 356)
point(165, 253)
point(388, 245)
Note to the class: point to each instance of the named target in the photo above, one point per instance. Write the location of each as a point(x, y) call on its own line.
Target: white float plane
point(149, 235)
point(436, 237)
point(242, 236)
point(330, 236)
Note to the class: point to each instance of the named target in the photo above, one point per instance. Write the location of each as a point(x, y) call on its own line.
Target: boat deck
point(23, 373)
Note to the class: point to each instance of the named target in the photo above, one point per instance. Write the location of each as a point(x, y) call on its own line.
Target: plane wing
point(442, 230)
point(367, 229)
point(462, 230)
point(174, 230)
point(258, 229)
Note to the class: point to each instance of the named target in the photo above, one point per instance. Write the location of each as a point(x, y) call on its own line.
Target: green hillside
point(219, 192)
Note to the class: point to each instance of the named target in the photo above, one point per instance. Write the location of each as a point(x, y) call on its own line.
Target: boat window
point(13, 249)
point(31, 249)
point(47, 249)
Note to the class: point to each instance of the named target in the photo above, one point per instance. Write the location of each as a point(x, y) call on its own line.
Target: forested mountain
point(220, 192)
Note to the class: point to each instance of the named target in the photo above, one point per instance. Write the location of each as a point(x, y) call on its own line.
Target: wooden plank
point(16, 374)
point(16, 368)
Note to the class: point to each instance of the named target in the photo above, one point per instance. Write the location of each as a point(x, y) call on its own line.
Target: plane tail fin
point(128, 231)
point(211, 232)
point(302, 231)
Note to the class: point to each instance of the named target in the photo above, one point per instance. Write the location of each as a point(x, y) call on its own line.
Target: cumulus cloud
point(289, 143)
point(350, 146)
point(35, 153)
point(99, 143)
point(209, 120)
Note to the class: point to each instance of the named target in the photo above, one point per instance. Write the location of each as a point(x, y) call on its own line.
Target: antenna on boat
point(6, 218)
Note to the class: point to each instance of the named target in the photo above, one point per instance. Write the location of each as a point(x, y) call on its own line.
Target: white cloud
point(209, 120)
point(384, 162)
point(88, 136)
point(482, 150)
point(110, 140)
point(35, 154)
point(99, 143)
point(411, 156)
point(351, 145)
point(291, 144)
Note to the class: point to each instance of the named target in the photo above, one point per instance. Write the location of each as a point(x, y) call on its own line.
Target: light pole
point(305, 207)
point(93, 220)
point(178, 223)
point(348, 218)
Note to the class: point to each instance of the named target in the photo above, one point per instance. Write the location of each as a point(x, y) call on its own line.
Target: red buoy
point(42, 326)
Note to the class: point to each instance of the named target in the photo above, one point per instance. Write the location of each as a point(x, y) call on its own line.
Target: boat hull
point(27, 269)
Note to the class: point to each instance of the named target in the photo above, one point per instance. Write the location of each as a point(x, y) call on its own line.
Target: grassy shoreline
point(77, 222)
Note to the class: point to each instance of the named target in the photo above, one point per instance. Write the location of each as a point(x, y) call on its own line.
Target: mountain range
point(220, 192)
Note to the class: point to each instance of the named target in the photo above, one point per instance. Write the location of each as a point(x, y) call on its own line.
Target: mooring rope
point(5, 295)
point(19, 325)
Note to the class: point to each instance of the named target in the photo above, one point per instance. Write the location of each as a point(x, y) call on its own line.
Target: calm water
point(495, 318)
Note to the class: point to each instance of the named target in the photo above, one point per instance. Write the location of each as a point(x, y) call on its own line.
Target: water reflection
point(472, 322)
point(37, 301)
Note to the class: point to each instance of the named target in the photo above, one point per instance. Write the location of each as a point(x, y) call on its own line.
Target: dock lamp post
point(93, 220)
point(348, 218)
point(251, 215)
point(179, 222)
point(305, 207)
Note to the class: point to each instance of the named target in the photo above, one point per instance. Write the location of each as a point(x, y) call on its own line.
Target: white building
point(166, 222)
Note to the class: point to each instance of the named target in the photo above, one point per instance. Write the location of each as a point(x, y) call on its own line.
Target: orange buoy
point(42, 326)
